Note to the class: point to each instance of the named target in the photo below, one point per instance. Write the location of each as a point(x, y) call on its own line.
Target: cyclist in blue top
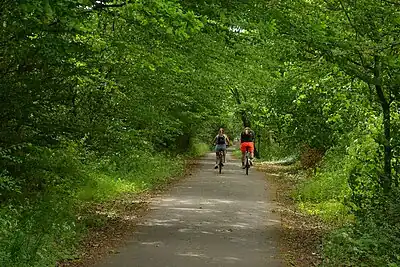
point(220, 141)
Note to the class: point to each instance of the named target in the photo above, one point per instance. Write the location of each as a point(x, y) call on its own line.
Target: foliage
point(368, 243)
point(105, 97)
point(37, 233)
point(98, 98)
point(43, 230)
point(333, 86)
point(326, 193)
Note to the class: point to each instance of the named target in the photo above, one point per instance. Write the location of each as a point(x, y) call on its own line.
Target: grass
point(198, 149)
point(333, 212)
point(144, 175)
point(324, 193)
point(275, 152)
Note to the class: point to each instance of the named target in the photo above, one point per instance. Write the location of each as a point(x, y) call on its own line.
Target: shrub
point(367, 243)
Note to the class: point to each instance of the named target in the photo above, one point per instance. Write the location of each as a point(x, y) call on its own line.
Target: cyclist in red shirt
point(247, 142)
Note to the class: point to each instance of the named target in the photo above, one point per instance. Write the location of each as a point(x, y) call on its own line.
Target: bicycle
point(247, 161)
point(220, 159)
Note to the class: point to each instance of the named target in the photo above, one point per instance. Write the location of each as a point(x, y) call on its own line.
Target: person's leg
point(251, 147)
point(243, 149)
point(216, 157)
point(224, 153)
point(216, 160)
point(243, 156)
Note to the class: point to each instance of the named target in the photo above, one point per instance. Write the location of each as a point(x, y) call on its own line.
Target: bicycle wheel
point(247, 163)
point(220, 162)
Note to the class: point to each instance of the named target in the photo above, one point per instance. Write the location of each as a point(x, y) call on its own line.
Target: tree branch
point(348, 18)
point(356, 73)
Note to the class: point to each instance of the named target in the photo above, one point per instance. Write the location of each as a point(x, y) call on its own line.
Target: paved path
point(209, 219)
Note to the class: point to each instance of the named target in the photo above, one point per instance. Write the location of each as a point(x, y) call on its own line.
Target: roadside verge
point(301, 234)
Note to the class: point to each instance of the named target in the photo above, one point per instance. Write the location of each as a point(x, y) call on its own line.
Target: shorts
point(249, 145)
point(220, 147)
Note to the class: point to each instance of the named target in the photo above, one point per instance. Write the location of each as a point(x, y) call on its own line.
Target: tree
point(360, 38)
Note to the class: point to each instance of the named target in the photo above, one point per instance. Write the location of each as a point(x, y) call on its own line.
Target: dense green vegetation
point(96, 101)
point(338, 96)
point(99, 98)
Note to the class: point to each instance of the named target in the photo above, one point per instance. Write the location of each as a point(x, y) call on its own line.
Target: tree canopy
point(83, 81)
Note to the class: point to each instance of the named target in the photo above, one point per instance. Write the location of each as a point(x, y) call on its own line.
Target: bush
point(36, 170)
point(275, 152)
point(37, 233)
point(37, 217)
point(346, 190)
point(198, 148)
point(325, 193)
point(367, 243)
point(40, 227)
point(330, 182)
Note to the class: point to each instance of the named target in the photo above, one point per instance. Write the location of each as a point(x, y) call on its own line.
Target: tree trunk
point(243, 115)
point(386, 178)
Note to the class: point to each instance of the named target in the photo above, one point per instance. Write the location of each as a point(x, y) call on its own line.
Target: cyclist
point(220, 141)
point(247, 142)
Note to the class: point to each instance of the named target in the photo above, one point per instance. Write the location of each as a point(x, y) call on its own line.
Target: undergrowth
point(364, 233)
point(38, 230)
point(325, 193)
